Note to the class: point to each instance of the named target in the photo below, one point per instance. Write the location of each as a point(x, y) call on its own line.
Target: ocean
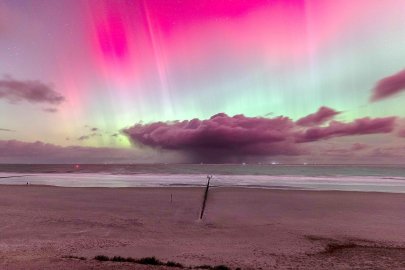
point(368, 178)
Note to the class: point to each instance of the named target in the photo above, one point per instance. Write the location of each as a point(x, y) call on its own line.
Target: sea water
point(372, 178)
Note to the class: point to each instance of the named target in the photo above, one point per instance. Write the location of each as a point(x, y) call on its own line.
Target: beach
point(47, 227)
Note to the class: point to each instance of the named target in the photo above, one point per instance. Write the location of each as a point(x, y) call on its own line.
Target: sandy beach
point(40, 226)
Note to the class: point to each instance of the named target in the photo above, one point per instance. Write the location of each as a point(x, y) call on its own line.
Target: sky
point(213, 81)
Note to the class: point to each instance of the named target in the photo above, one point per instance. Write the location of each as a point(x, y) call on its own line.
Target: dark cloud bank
point(223, 138)
point(13, 151)
point(226, 139)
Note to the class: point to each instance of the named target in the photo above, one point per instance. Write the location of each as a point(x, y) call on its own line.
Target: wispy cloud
point(401, 133)
point(389, 86)
point(6, 130)
point(323, 115)
point(360, 126)
point(16, 91)
point(83, 138)
point(50, 110)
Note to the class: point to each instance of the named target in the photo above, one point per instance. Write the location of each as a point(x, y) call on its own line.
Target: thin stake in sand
point(205, 196)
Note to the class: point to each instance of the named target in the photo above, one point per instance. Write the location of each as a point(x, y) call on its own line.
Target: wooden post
point(205, 196)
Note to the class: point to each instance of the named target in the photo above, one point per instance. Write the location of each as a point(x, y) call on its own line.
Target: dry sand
point(246, 228)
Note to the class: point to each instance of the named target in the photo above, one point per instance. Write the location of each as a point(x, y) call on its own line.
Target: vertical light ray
point(160, 61)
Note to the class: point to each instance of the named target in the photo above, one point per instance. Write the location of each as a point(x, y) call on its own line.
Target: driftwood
point(205, 196)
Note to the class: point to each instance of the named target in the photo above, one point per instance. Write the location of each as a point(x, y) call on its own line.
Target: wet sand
point(246, 228)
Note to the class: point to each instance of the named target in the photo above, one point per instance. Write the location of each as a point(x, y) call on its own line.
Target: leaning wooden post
point(205, 196)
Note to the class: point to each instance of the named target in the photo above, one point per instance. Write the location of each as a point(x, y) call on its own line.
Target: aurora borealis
point(186, 81)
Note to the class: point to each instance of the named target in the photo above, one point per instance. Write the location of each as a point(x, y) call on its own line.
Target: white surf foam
point(343, 183)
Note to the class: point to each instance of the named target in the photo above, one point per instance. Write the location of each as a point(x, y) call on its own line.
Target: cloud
point(359, 146)
point(13, 151)
point(395, 154)
point(219, 137)
point(50, 110)
point(225, 138)
point(6, 130)
point(15, 91)
point(338, 148)
point(88, 136)
point(91, 128)
point(389, 86)
point(323, 115)
point(360, 126)
point(220, 131)
point(83, 138)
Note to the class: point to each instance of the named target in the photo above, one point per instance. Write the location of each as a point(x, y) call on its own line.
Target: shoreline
point(212, 187)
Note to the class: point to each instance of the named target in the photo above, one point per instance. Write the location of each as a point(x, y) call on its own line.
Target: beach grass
point(154, 261)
